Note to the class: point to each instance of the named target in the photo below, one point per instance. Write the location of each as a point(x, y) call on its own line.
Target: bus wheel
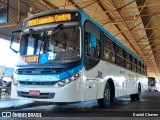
point(139, 90)
point(137, 95)
point(107, 96)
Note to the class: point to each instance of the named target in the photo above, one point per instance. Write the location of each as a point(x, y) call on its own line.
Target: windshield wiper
point(43, 34)
point(58, 28)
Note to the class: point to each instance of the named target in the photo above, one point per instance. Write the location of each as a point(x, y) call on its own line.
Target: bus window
point(119, 56)
point(138, 67)
point(90, 51)
point(92, 54)
point(30, 47)
point(142, 69)
point(96, 51)
point(28, 44)
point(63, 46)
point(145, 67)
point(24, 41)
point(134, 64)
point(109, 54)
point(127, 61)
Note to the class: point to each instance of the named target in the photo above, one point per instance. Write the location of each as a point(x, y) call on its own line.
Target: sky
point(7, 57)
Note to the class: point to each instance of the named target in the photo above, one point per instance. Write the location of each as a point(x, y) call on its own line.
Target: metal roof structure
point(136, 23)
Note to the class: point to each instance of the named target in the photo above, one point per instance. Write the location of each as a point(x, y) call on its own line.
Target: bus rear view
point(152, 84)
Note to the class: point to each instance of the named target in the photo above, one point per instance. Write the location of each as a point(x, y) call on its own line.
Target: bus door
point(92, 57)
point(92, 46)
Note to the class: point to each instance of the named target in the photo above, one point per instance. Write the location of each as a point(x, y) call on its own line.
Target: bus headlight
point(68, 80)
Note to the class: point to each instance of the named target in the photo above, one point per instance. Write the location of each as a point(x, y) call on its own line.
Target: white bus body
point(88, 86)
point(84, 84)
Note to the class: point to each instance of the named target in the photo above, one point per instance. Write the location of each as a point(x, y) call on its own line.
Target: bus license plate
point(34, 92)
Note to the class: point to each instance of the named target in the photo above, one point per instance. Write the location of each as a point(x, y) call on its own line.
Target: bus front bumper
point(68, 93)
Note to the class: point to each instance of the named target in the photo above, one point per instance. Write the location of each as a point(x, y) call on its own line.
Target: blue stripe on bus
point(70, 73)
point(52, 77)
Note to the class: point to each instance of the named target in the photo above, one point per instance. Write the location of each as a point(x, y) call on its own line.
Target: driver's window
point(31, 44)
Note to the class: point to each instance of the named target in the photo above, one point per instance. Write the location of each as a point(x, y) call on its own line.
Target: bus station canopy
point(136, 23)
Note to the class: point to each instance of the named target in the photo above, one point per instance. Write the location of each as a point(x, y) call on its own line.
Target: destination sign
point(49, 19)
point(30, 59)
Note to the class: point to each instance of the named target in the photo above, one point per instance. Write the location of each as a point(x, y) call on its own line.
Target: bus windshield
point(62, 46)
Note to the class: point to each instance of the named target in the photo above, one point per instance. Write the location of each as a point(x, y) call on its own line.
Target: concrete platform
point(6, 103)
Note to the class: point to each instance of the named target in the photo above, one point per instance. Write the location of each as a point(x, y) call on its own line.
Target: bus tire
point(107, 97)
point(137, 95)
point(139, 90)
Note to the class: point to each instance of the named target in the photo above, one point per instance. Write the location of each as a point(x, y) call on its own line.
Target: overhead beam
point(19, 11)
point(146, 28)
point(88, 5)
point(100, 4)
point(131, 33)
point(22, 13)
point(50, 4)
point(3, 35)
point(73, 3)
point(46, 6)
point(138, 16)
point(119, 29)
point(9, 25)
point(131, 17)
point(143, 6)
point(77, 3)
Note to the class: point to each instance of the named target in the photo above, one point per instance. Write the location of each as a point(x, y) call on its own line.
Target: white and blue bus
point(65, 56)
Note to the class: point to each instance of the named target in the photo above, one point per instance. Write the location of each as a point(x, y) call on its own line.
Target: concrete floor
point(149, 103)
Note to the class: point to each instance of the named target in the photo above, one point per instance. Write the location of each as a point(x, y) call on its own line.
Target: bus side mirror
point(93, 41)
point(12, 39)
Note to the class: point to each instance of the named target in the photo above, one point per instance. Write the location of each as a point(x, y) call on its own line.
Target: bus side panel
point(90, 82)
point(109, 71)
point(132, 85)
point(125, 81)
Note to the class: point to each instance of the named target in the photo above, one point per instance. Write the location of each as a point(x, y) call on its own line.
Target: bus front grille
point(36, 83)
point(41, 96)
point(39, 70)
